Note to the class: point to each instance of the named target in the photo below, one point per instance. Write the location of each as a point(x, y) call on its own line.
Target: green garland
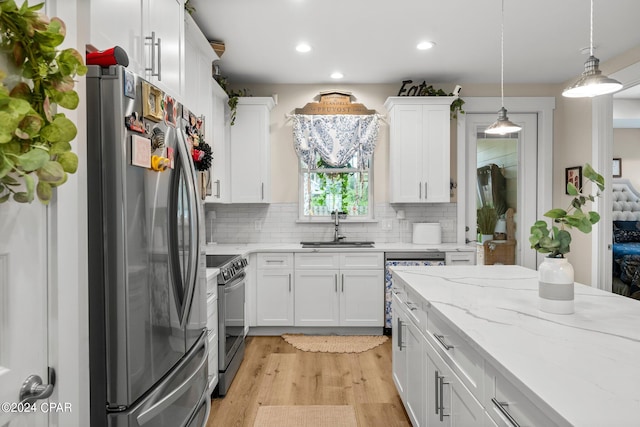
point(34, 139)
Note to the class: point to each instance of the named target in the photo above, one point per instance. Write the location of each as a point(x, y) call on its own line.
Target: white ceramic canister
point(556, 286)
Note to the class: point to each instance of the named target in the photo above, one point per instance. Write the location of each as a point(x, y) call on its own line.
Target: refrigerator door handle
point(194, 227)
point(162, 404)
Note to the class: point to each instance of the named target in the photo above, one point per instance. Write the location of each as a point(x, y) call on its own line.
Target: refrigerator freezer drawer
point(176, 400)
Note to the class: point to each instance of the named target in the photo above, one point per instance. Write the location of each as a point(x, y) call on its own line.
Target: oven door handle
point(236, 283)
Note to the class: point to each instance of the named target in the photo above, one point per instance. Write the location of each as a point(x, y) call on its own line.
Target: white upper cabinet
point(251, 151)
point(220, 143)
point(199, 57)
point(152, 34)
point(419, 148)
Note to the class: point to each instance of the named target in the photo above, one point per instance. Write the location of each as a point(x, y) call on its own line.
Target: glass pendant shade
point(592, 82)
point(503, 125)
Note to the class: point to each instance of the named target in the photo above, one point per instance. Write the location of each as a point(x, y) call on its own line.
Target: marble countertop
point(245, 249)
point(586, 366)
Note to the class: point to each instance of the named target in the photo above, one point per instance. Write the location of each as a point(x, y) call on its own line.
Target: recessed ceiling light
point(303, 48)
point(337, 75)
point(425, 45)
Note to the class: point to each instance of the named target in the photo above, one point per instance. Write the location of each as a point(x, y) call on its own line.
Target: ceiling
point(372, 41)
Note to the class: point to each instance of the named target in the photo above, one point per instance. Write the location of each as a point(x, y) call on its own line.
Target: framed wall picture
point(617, 168)
point(573, 175)
point(151, 102)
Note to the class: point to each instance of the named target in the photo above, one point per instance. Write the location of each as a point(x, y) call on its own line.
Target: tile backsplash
point(278, 223)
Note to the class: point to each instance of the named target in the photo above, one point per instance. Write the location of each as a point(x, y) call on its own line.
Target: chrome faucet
point(337, 216)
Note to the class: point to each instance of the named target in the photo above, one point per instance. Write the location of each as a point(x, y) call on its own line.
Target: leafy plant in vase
point(487, 220)
point(555, 275)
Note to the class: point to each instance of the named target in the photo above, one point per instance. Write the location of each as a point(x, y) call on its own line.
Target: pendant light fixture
point(592, 82)
point(503, 125)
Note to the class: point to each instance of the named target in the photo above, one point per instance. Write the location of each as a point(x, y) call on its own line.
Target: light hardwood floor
point(275, 373)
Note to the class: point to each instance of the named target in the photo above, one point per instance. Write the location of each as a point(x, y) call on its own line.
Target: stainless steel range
point(231, 290)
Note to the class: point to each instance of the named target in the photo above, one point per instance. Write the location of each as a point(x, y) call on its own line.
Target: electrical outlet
point(386, 224)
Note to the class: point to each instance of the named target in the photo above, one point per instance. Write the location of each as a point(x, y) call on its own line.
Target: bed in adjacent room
point(626, 239)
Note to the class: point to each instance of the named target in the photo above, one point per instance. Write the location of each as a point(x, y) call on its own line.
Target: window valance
point(335, 138)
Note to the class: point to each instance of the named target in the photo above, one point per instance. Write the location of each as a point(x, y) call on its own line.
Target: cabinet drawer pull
point(440, 339)
point(279, 261)
point(503, 411)
point(412, 306)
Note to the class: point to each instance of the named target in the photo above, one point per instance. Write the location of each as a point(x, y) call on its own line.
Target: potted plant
point(555, 275)
point(34, 137)
point(487, 220)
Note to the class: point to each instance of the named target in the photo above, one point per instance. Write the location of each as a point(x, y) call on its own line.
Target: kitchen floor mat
point(334, 343)
point(306, 416)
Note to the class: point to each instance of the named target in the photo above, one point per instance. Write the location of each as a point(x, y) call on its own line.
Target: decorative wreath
point(201, 152)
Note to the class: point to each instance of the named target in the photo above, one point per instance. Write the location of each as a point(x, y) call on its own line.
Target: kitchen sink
point(338, 244)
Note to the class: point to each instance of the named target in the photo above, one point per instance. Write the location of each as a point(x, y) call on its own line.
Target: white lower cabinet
point(317, 298)
point(330, 292)
point(443, 381)
point(451, 403)
point(212, 331)
point(361, 301)
point(274, 290)
point(409, 368)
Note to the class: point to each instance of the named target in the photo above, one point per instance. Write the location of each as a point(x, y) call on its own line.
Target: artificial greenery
point(234, 96)
point(556, 241)
point(189, 7)
point(487, 219)
point(34, 139)
point(456, 105)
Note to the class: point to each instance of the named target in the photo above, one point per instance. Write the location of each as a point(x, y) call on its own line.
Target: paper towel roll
point(427, 233)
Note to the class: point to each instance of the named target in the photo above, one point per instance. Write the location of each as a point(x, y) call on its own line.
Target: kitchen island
point(516, 364)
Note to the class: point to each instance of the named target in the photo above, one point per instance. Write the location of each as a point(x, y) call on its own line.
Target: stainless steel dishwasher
point(391, 259)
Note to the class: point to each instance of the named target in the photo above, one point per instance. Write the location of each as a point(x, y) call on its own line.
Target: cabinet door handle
point(153, 53)
point(159, 60)
point(262, 191)
point(503, 411)
point(437, 400)
point(442, 414)
point(342, 283)
point(399, 334)
point(419, 190)
point(425, 190)
point(289, 282)
point(440, 339)
point(336, 281)
point(217, 181)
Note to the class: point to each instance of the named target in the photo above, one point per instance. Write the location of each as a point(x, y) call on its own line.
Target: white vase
point(556, 286)
point(486, 237)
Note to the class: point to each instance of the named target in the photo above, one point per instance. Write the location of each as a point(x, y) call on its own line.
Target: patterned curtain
point(335, 138)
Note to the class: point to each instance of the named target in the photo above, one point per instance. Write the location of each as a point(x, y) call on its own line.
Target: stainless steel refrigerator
point(147, 284)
